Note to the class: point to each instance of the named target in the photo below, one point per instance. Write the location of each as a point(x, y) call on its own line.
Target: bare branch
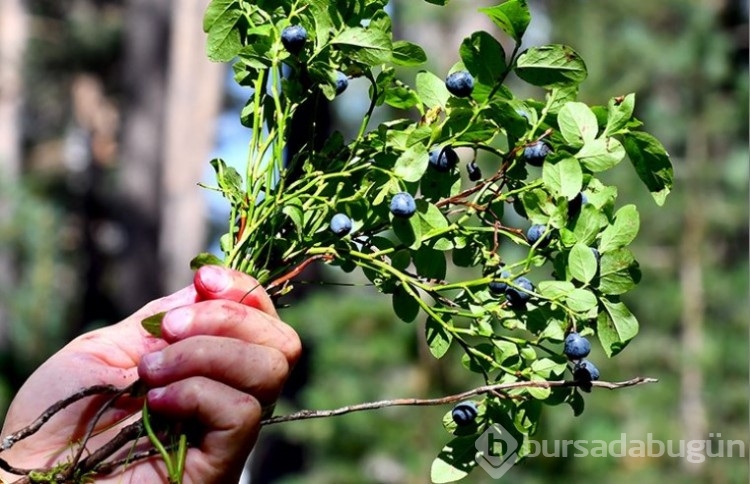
point(31, 429)
point(498, 390)
point(127, 434)
point(91, 427)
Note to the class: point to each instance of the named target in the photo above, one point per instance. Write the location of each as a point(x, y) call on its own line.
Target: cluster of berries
point(517, 294)
point(294, 37)
point(577, 348)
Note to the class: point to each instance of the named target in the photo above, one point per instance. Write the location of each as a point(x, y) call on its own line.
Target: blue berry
point(341, 225)
point(464, 413)
point(585, 371)
point(460, 83)
point(475, 174)
point(576, 346)
point(443, 159)
point(499, 287)
point(596, 253)
point(574, 206)
point(342, 82)
point(535, 233)
point(403, 205)
point(536, 152)
point(519, 296)
point(293, 38)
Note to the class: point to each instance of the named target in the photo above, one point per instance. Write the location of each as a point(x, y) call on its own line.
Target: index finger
point(216, 282)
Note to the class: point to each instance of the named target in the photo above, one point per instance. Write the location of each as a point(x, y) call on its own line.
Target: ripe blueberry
point(464, 413)
point(499, 287)
point(576, 346)
point(293, 38)
point(535, 233)
point(520, 295)
point(403, 205)
point(443, 159)
point(574, 206)
point(475, 174)
point(585, 371)
point(535, 153)
point(341, 225)
point(596, 253)
point(342, 82)
point(460, 83)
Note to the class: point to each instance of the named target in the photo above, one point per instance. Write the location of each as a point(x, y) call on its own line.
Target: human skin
point(225, 355)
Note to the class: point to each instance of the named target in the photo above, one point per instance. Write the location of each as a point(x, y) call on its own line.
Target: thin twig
point(31, 429)
point(13, 470)
point(105, 468)
point(90, 430)
point(126, 434)
point(495, 389)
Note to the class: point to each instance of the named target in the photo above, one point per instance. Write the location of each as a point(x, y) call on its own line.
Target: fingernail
point(215, 279)
point(177, 321)
point(153, 361)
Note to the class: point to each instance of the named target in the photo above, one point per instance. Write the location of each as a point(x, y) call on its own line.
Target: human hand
point(223, 355)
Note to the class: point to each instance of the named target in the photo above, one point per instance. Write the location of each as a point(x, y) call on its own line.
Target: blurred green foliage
point(36, 303)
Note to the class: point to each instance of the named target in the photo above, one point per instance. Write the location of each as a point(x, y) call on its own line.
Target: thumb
point(216, 282)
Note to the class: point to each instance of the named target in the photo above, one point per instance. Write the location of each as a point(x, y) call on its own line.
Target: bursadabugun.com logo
point(498, 449)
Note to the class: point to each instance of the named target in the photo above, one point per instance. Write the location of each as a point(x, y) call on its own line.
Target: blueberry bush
point(392, 201)
point(404, 198)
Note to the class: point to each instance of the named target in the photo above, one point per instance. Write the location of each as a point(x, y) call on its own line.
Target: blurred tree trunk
point(193, 100)
point(146, 42)
point(13, 36)
point(693, 410)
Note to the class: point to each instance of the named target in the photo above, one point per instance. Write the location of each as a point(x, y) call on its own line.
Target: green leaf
point(408, 54)
point(369, 46)
point(581, 300)
point(563, 178)
point(512, 17)
point(588, 224)
point(577, 124)
point(438, 339)
point(431, 90)
point(430, 263)
point(548, 367)
point(483, 57)
point(540, 393)
point(619, 112)
point(551, 66)
point(616, 326)
point(618, 272)
point(294, 210)
point(204, 259)
point(455, 461)
point(409, 231)
point(582, 263)
point(577, 403)
point(431, 218)
point(220, 23)
point(622, 231)
point(404, 305)
point(601, 154)
point(229, 180)
point(152, 324)
point(401, 97)
point(412, 163)
point(554, 289)
point(651, 162)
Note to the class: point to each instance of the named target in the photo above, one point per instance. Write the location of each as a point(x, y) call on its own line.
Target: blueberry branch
point(32, 428)
point(501, 389)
